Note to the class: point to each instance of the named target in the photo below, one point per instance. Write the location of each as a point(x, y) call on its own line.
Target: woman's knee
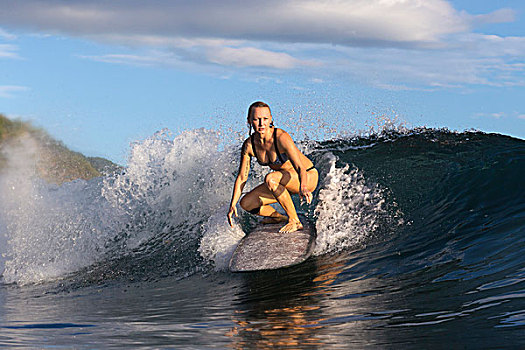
point(244, 203)
point(248, 203)
point(272, 181)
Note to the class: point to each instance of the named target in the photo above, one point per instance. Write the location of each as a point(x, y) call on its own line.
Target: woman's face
point(261, 119)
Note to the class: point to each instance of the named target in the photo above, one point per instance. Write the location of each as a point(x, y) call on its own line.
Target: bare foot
point(274, 220)
point(291, 226)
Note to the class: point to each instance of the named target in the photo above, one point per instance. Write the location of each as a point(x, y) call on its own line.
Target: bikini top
point(281, 157)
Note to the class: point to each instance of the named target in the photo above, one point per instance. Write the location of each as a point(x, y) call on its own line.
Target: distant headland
point(54, 162)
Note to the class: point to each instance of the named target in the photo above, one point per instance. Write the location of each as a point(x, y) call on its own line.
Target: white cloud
point(489, 45)
point(391, 44)
point(224, 56)
point(8, 51)
point(504, 15)
point(133, 60)
point(467, 59)
point(251, 57)
point(521, 116)
point(357, 22)
point(6, 36)
point(9, 91)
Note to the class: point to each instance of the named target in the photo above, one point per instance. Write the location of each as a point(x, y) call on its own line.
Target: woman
point(292, 172)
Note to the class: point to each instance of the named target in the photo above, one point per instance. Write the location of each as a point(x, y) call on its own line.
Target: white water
point(349, 208)
point(174, 189)
point(55, 230)
point(220, 240)
point(50, 230)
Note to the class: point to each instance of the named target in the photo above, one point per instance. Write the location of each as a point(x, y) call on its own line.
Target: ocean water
point(421, 244)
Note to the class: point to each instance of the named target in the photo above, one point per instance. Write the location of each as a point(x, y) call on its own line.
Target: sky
point(100, 75)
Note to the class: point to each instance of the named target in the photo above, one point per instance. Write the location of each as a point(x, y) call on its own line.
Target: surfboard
point(266, 249)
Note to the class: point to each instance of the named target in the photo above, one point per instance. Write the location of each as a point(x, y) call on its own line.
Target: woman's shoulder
point(248, 141)
point(247, 146)
point(282, 136)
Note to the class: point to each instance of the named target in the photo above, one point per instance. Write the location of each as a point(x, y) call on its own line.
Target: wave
point(461, 200)
point(425, 196)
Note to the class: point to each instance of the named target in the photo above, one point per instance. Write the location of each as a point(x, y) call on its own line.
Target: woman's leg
point(277, 188)
point(258, 201)
point(280, 183)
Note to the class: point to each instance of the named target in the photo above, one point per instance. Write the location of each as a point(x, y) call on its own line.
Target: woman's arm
point(286, 143)
point(240, 181)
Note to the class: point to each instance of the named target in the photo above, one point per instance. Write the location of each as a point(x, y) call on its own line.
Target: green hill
point(56, 163)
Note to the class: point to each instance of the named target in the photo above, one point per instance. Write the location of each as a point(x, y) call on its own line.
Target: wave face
point(450, 198)
point(453, 241)
point(451, 204)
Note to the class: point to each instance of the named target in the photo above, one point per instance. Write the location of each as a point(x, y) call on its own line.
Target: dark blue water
point(433, 256)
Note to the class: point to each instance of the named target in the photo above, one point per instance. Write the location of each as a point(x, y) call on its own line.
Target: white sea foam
point(170, 188)
point(173, 182)
point(349, 208)
point(50, 230)
point(220, 240)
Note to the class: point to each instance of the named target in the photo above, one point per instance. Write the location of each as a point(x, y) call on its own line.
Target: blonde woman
point(293, 172)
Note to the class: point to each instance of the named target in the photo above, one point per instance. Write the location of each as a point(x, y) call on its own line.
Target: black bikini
point(281, 157)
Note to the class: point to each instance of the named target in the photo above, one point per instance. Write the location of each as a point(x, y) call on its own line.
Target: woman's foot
point(291, 226)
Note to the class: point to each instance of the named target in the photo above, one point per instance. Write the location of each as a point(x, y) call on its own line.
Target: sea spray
point(50, 230)
point(173, 182)
point(349, 210)
point(220, 240)
point(153, 211)
point(170, 190)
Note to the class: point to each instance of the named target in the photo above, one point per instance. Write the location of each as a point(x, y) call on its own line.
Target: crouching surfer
point(293, 172)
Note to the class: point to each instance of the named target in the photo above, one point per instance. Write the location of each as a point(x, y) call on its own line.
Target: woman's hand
point(231, 212)
point(304, 193)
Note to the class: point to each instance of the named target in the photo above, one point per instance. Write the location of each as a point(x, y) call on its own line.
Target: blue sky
point(99, 75)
